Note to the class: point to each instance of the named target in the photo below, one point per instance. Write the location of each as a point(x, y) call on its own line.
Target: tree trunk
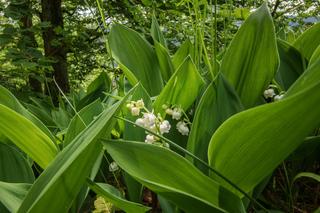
point(54, 47)
point(26, 25)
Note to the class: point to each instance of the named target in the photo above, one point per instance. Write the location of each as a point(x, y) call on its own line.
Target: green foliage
point(205, 129)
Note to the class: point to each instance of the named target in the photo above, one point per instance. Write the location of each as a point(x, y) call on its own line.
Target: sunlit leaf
point(308, 41)
point(67, 173)
point(136, 57)
point(252, 59)
point(182, 88)
point(269, 133)
point(27, 136)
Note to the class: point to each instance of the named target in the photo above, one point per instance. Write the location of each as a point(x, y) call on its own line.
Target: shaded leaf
point(114, 196)
point(291, 65)
point(173, 177)
point(14, 168)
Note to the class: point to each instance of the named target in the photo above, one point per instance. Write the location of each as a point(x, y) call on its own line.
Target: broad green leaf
point(12, 194)
point(156, 32)
point(315, 56)
point(218, 102)
point(184, 50)
point(14, 167)
point(27, 136)
point(165, 62)
point(136, 57)
point(182, 88)
point(8, 99)
point(313, 176)
point(308, 41)
point(251, 60)
point(269, 133)
point(67, 173)
point(291, 65)
point(173, 177)
point(83, 118)
point(114, 196)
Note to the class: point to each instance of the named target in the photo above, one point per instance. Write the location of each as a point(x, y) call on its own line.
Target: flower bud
point(113, 167)
point(135, 111)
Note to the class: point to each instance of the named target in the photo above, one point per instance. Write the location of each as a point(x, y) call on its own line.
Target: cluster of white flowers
point(150, 121)
point(156, 123)
point(270, 93)
point(178, 114)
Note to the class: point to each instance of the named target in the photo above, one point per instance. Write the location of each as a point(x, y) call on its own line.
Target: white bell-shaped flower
point(140, 103)
point(140, 122)
point(278, 97)
point(182, 128)
point(165, 127)
point(149, 118)
point(176, 113)
point(269, 93)
point(150, 139)
point(113, 167)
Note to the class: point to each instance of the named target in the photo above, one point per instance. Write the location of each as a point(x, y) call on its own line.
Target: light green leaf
point(27, 136)
point(165, 62)
point(136, 57)
point(252, 60)
point(184, 50)
point(315, 56)
point(308, 41)
point(67, 173)
point(83, 118)
point(291, 65)
point(114, 196)
point(12, 194)
point(8, 100)
point(218, 102)
point(14, 167)
point(269, 133)
point(173, 177)
point(182, 88)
